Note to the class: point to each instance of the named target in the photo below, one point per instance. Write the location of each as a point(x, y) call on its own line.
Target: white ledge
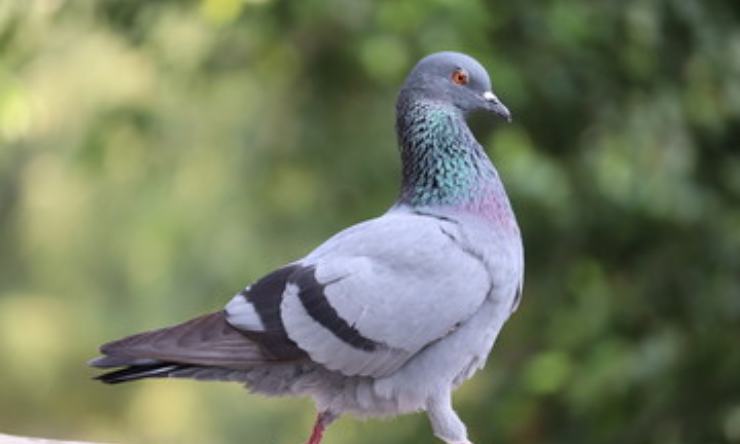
point(8, 439)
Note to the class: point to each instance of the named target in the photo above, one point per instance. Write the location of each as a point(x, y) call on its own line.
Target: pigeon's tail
point(206, 347)
point(135, 372)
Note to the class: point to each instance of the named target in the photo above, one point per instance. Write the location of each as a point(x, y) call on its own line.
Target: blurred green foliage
point(156, 156)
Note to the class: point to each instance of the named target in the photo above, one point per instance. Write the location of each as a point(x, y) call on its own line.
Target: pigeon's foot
point(319, 427)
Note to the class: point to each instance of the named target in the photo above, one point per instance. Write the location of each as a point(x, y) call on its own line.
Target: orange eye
point(460, 77)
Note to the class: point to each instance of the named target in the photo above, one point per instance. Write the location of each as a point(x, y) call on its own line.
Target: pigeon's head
point(456, 79)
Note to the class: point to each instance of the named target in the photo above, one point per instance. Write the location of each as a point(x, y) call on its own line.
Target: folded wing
point(372, 296)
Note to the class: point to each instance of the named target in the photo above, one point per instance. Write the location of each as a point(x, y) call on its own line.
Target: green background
point(156, 156)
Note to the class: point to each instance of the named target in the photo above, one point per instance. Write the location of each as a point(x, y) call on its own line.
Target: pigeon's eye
point(460, 77)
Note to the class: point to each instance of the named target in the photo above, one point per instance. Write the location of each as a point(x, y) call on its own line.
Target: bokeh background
point(156, 156)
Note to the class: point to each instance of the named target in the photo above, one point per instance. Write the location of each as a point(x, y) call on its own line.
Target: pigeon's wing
point(371, 297)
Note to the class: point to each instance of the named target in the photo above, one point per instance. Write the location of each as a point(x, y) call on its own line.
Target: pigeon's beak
point(494, 104)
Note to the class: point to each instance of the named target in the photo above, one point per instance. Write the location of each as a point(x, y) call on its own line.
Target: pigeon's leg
point(446, 424)
point(322, 422)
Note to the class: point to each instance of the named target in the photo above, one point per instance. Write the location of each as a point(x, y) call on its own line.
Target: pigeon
point(389, 316)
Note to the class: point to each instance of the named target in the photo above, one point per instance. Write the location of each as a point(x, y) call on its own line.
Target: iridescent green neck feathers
point(443, 164)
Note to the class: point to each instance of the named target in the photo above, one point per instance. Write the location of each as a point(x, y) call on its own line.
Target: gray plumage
point(388, 316)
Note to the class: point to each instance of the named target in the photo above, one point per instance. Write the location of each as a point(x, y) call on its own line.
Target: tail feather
point(119, 361)
point(206, 342)
point(134, 372)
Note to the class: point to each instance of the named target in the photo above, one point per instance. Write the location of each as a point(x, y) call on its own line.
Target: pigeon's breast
point(499, 247)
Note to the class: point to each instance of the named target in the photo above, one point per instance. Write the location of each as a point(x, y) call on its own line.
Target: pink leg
point(322, 421)
point(318, 433)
